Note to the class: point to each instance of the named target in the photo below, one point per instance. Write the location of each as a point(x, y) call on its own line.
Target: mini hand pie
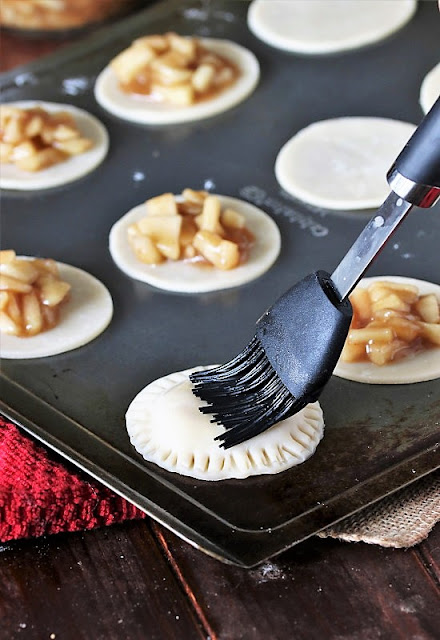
point(166, 427)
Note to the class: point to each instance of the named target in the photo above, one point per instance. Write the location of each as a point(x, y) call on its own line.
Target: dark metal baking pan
point(378, 438)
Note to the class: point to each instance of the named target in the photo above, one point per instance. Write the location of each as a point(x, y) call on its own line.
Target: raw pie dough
point(430, 89)
point(190, 278)
point(326, 26)
point(166, 427)
point(419, 368)
point(11, 177)
point(137, 108)
point(87, 313)
point(342, 163)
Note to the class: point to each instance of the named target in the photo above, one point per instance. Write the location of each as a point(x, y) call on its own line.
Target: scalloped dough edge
point(166, 428)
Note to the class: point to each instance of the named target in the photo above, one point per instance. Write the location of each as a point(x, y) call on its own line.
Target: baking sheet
point(378, 438)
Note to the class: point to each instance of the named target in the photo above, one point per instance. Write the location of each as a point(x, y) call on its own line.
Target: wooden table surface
point(139, 581)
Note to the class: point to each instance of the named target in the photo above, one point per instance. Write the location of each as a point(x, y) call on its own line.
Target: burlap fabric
point(403, 519)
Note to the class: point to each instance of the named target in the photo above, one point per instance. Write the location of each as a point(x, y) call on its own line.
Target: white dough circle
point(326, 26)
point(185, 277)
point(87, 314)
point(430, 89)
point(141, 109)
point(166, 427)
point(342, 163)
point(421, 367)
point(75, 167)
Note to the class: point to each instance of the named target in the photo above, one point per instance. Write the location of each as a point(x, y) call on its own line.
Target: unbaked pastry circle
point(11, 177)
point(342, 163)
point(430, 89)
point(419, 368)
point(87, 313)
point(189, 278)
point(166, 427)
point(136, 108)
point(326, 26)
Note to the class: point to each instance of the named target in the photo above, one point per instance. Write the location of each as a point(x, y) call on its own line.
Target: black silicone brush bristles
point(245, 395)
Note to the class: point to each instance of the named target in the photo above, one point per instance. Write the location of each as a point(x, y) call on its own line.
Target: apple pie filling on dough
point(187, 277)
point(154, 109)
point(74, 165)
point(416, 364)
point(83, 317)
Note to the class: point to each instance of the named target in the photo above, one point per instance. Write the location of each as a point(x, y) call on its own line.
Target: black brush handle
point(415, 174)
point(415, 180)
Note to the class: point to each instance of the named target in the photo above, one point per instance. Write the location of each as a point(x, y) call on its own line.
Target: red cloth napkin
point(39, 495)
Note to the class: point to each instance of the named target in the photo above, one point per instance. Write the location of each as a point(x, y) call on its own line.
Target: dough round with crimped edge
point(342, 163)
point(141, 109)
point(185, 277)
point(75, 167)
point(430, 89)
point(421, 367)
point(83, 317)
point(326, 26)
point(166, 427)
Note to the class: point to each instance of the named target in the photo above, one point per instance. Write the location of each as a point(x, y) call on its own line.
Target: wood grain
point(128, 581)
point(429, 552)
point(319, 589)
point(103, 584)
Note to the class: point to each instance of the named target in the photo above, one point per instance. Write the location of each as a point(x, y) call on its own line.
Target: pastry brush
point(298, 341)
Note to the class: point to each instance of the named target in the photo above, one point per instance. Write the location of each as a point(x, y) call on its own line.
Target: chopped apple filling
point(34, 139)
point(391, 321)
point(31, 294)
point(194, 227)
point(173, 69)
